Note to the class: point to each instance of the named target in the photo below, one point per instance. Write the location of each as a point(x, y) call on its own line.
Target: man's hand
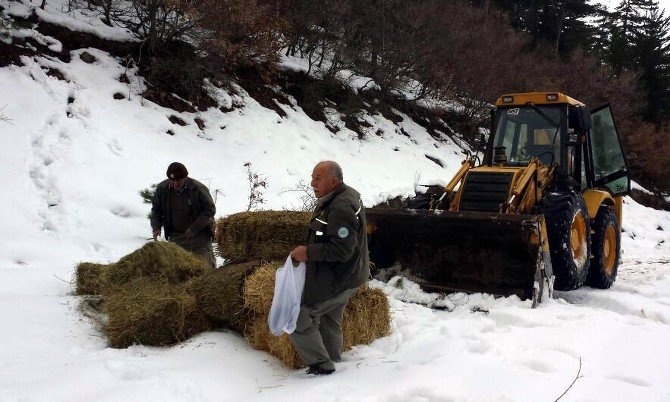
point(299, 253)
point(188, 234)
point(157, 234)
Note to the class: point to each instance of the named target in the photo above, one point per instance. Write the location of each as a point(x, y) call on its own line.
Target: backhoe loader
point(542, 210)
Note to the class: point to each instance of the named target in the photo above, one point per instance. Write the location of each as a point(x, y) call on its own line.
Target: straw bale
point(261, 235)
point(90, 278)
point(220, 297)
point(366, 318)
point(259, 288)
point(257, 332)
point(259, 337)
point(152, 312)
point(156, 259)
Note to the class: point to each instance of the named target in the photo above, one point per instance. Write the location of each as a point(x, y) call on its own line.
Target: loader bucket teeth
point(444, 251)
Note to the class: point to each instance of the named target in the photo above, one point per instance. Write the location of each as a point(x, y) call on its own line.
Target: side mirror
point(480, 141)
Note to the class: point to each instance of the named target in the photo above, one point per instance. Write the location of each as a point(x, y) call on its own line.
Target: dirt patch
point(72, 40)
point(167, 100)
point(650, 200)
point(257, 84)
point(11, 54)
point(177, 120)
point(88, 58)
point(200, 123)
point(56, 73)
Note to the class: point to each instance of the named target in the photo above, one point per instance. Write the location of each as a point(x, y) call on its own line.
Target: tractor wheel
point(606, 246)
point(569, 233)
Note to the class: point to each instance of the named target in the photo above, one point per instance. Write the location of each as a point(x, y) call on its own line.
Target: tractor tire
point(569, 233)
point(606, 246)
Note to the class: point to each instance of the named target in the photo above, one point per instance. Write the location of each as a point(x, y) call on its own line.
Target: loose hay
point(159, 259)
point(152, 312)
point(90, 278)
point(219, 294)
point(261, 235)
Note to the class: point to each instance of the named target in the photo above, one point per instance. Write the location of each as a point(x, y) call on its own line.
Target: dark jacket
point(337, 249)
point(202, 208)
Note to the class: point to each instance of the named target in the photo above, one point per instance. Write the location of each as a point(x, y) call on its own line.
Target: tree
point(652, 58)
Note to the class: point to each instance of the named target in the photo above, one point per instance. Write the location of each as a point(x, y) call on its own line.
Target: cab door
point(610, 169)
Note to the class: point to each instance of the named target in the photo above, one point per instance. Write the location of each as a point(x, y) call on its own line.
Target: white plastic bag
point(289, 282)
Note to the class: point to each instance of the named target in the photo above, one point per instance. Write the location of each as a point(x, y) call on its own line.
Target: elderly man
point(185, 210)
point(337, 263)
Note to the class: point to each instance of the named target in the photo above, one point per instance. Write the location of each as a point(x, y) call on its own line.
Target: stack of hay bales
point(271, 235)
point(161, 294)
point(144, 295)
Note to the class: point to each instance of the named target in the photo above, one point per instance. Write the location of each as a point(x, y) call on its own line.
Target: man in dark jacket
point(185, 210)
point(337, 263)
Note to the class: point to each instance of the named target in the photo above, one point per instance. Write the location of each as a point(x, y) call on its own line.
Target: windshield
point(526, 133)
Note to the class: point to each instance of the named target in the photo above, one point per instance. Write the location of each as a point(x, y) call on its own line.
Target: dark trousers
point(318, 333)
point(200, 245)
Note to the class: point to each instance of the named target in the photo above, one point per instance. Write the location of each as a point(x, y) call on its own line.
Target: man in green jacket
point(184, 208)
point(337, 263)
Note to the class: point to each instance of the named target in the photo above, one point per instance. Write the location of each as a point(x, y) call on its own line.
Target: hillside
point(79, 142)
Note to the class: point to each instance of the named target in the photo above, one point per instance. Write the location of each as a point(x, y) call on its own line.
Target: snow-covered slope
point(73, 158)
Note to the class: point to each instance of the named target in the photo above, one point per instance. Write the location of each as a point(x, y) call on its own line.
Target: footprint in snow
point(630, 380)
point(540, 366)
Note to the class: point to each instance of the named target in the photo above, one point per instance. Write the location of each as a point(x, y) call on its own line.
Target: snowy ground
point(71, 173)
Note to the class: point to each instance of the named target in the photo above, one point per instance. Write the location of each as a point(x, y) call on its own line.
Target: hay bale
point(259, 288)
point(366, 318)
point(219, 294)
point(152, 312)
point(259, 337)
point(158, 259)
point(261, 235)
point(90, 278)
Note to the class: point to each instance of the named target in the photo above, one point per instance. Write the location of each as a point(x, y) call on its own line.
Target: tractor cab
point(582, 146)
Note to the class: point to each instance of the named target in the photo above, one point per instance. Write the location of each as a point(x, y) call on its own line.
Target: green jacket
point(202, 208)
point(337, 247)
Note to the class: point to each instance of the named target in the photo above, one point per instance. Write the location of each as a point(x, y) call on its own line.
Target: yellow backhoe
point(541, 212)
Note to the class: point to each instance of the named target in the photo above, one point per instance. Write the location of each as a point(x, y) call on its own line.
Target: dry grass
point(366, 318)
point(259, 288)
point(164, 260)
point(90, 278)
point(152, 312)
point(219, 294)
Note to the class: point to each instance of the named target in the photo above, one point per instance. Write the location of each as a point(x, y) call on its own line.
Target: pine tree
point(562, 24)
point(651, 51)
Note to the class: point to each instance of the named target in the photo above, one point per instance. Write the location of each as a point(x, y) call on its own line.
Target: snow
point(72, 172)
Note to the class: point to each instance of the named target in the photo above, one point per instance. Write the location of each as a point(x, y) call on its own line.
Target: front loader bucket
point(473, 252)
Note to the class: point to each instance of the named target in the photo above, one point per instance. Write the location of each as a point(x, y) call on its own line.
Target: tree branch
point(577, 377)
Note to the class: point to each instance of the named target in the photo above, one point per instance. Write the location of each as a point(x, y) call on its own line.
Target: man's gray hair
point(336, 171)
